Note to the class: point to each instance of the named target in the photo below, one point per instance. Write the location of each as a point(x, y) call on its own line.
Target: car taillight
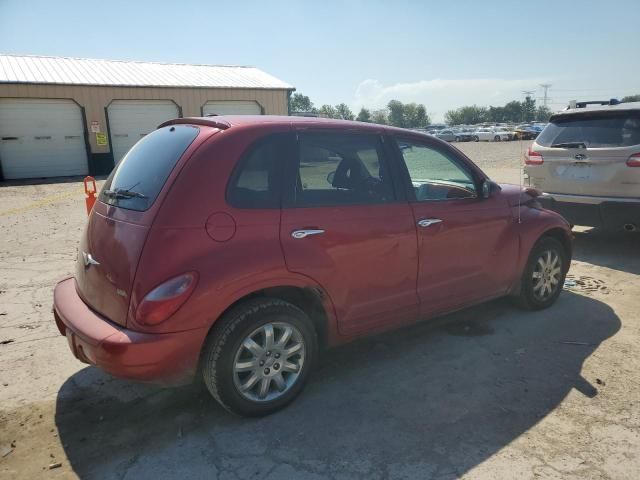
point(533, 158)
point(634, 160)
point(164, 300)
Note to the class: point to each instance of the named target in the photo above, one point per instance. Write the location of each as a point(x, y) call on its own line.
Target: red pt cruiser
point(235, 247)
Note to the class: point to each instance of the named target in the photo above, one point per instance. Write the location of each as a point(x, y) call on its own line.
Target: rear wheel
point(544, 274)
point(476, 138)
point(258, 359)
point(496, 138)
point(457, 139)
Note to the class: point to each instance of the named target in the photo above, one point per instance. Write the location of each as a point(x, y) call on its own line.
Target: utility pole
point(546, 87)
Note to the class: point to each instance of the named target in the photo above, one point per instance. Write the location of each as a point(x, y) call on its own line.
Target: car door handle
point(427, 222)
point(298, 234)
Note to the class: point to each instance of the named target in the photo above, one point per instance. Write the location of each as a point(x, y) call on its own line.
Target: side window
point(434, 175)
point(341, 169)
point(256, 181)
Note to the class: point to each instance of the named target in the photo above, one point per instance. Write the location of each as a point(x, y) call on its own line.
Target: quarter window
point(256, 182)
point(434, 174)
point(341, 169)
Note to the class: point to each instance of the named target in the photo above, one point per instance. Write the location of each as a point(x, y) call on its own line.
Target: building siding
point(94, 100)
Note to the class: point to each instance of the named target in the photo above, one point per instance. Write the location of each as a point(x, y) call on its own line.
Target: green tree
point(421, 118)
point(396, 114)
point(328, 111)
point(543, 113)
point(453, 117)
point(496, 114)
point(407, 115)
point(301, 103)
point(380, 116)
point(528, 109)
point(344, 112)
point(513, 111)
point(415, 115)
point(631, 98)
point(364, 115)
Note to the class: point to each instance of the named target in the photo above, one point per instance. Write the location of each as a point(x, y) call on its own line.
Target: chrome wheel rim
point(546, 275)
point(269, 361)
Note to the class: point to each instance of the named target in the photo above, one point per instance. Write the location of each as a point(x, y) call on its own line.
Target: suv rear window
point(595, 130)
point(138, 178)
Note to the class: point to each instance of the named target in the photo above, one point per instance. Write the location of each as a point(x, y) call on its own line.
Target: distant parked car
point(463, 135)
point(587, 161)
point(446, 135)
point(491, 135)
point(526, 132)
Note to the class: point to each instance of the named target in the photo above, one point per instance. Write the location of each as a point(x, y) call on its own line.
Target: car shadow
point(434, 399)
point(617, 250)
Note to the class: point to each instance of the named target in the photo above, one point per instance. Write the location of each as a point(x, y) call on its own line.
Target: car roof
point(620, 107)
point(229, 121)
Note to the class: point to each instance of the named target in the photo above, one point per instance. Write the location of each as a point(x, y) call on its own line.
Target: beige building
point(69, 116)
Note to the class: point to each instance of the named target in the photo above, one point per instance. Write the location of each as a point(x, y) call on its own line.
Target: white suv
point(587, 163)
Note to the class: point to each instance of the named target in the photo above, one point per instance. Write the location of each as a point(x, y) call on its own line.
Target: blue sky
point(443, 54)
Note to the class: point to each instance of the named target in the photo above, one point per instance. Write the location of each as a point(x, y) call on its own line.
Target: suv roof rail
point(575, 104)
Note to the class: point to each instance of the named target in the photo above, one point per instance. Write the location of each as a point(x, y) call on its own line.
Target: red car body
point(373, 269)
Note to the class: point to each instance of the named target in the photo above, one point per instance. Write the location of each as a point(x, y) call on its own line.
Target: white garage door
point(130, 120)
point(231, 107)
point(41, 138)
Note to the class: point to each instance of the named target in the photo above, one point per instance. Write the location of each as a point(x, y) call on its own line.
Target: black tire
point(527, 298)
point(457, 139)
point(496, 138)
point(225, 339)
point(476, 139)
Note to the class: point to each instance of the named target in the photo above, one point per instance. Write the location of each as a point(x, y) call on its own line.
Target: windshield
point(608, 130)
point(138, 178)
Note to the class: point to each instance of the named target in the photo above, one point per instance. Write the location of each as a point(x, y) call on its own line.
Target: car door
point(466, 244)
point(344, 225)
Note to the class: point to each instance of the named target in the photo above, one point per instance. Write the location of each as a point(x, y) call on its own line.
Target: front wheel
point(496, 138)
point(258, 359)
point(476, 139)
point(544, 275)
point(457, 139)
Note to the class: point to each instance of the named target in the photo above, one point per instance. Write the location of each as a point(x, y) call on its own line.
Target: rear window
point(138, 178)
point(609, 130)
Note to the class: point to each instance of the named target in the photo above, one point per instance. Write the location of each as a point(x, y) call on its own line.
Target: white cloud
point(440, 95)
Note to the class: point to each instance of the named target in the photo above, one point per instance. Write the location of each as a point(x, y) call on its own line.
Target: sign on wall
point(101, 139)
point(95, 126)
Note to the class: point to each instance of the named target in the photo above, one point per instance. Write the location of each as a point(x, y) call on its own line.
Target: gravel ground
point(487, 393)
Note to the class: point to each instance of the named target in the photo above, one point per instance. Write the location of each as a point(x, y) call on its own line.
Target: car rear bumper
point(604, 212)
point(167, 358)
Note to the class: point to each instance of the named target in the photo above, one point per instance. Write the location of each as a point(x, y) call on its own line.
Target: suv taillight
point(165, 300)
point(634, 160)
point(533, 158)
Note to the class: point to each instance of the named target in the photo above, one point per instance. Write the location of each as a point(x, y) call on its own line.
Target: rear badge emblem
point(89, 260)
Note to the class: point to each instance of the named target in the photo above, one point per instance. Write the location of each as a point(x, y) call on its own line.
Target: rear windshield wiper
point(125, 193)
point(569, 145)
point(121, 193)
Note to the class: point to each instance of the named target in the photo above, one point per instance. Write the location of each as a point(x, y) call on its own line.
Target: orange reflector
point(90, 192)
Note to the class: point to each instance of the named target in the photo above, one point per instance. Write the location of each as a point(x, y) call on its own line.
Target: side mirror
point(331, 177)
point(487, 187)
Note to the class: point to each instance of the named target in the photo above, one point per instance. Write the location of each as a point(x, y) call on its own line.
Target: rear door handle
point(298, 234)
point(427, 222)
